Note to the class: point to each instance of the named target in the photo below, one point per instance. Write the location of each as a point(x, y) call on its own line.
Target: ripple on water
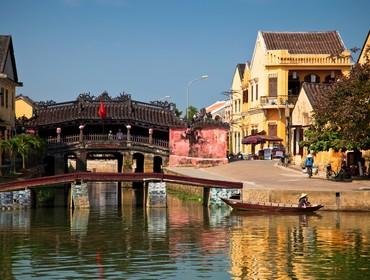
point(185, 241)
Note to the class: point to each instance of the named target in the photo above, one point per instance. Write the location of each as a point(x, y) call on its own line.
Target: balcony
point(277, 101)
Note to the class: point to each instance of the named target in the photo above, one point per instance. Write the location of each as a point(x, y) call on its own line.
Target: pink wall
point(198, 147)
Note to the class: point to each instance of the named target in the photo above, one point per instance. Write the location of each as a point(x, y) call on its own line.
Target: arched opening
point(157, 164)
point(329, 79)
point(312, 78)
point(49, 165)
point(70, 163)
point(138, 162)
point(103, 193)
point(294, 84)
point(138, 165)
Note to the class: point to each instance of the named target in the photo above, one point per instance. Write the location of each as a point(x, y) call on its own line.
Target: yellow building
point(302, 118)
point(8, 83)
point(236, 102)
point(365, 51)
point(23, 106)
point(281, 62)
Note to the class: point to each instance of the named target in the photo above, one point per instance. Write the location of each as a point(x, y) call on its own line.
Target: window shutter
point(273, 87)
point(272, 130)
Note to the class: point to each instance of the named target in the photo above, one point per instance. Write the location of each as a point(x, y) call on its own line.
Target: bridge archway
point(138, 159)
point(70, 162)
point(49, 165)
point(104, 161)
point(157, 164)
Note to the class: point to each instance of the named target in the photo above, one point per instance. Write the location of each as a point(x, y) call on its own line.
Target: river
point(184, 241)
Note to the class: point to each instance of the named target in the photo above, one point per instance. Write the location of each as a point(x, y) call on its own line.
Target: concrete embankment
point(265, 181)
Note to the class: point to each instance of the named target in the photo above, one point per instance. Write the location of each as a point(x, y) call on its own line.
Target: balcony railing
point(278, 100)
point(108, 139)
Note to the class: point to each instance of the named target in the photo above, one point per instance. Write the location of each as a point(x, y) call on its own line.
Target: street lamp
point(203, 77)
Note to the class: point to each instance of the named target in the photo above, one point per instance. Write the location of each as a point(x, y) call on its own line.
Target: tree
point(21, 144)
point(26, 143)
point(178, 113)
point(10, 146)
point(192, 111)
point(342, 114)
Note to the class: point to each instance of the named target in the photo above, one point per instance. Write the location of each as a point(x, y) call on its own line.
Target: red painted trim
point(121, 177)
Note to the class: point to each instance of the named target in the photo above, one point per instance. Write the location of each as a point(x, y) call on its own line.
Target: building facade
point(220, 110)
point(281, 63)
point(8, 83)
point(24, 107)
point(236, 132)
point(365, 51)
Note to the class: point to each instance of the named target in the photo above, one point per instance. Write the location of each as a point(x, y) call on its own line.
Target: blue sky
point(153, 48)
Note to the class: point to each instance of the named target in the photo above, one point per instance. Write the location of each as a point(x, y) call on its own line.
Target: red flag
point(102, 113)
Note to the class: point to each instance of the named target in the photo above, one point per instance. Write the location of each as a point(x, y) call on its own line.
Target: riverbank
point(266, 181)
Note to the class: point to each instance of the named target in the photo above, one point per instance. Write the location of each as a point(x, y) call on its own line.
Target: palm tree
point(10, 145)
point(26, 143)
point(21, 144)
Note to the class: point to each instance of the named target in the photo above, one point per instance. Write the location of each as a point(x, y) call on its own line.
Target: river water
point(184, 241)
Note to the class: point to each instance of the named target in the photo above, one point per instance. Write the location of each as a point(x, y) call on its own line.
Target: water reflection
point(326, 246)
point(184, 241)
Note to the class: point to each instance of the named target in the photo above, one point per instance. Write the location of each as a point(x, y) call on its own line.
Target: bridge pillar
point(79, 196)
point(127, 162)
point(148, 163)
point(128, 195)
point(206, 196)
point(155, 195)
point(81, 161)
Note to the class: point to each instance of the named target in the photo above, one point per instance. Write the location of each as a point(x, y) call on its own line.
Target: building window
point(273, 87)
point(330, 78)
point(2, 97)
point(13, 99)
point(272, 128)
point(245, 96)
point(251, 93)
point(312, 78)
point(256, 92)
point(6, 98)
point(294, 85)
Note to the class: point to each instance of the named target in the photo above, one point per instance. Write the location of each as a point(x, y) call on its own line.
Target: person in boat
point(303, 201)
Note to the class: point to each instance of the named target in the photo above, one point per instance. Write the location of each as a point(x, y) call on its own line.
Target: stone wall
point(344, 201)
point(203, 146)
point(15, 199)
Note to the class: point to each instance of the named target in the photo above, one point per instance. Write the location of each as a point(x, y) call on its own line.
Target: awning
point(254, 139)
point(259, 139)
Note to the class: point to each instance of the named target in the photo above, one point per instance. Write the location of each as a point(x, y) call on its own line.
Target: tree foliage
point(22, 145)
point(192, 111)
point(342, 114)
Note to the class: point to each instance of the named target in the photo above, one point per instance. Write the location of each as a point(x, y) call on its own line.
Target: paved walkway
point(267, 174)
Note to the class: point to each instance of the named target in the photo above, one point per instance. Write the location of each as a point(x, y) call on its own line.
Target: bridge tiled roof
point(125, 111)
point(327, 42)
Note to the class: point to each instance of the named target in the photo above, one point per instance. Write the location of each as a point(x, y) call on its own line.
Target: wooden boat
point(237, 204)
